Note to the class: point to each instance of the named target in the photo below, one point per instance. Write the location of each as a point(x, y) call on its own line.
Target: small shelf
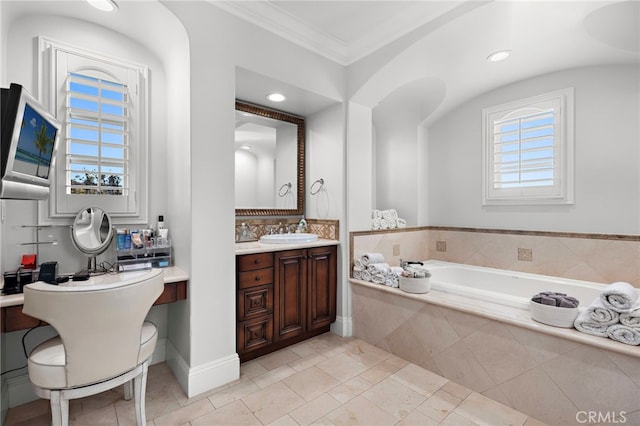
point(157, 256)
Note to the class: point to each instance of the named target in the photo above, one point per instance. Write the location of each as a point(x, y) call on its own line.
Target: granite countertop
point(258, 247)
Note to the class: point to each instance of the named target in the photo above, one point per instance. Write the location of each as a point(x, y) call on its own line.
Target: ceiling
point(343, 31)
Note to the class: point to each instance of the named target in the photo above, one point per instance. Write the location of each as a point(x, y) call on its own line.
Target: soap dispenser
point(302, 225)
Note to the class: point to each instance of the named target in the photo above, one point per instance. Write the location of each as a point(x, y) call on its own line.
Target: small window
point(102, 161)
point(528, 151)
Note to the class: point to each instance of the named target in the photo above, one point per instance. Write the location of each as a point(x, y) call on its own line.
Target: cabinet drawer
point(255, 334)
point(255, 301)
point(250, 262)
point(255, 278)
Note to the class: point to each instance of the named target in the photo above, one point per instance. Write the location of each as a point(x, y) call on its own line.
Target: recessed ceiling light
point(276, 97)
point(104, 5)
point(498, 56)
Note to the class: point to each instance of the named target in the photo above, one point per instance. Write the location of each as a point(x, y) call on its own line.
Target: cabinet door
point(321, 286)
point(290, 294)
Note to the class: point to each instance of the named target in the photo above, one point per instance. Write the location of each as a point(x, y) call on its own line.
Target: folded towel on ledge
point(390, 214)
point(556, 299)
point(365, 275)
point(599, 313)
point(384, 223)
point(378, 278)
point(631, 318)
point(584, 324)
point(376, 214)
point(392, 282)
point(378, 268)
point(624, 334)
point(357, 273)
point(401, 223)
point(369, 258)
point(394, 272)
point(357, 263)
point(619, 296)
point(375, 224)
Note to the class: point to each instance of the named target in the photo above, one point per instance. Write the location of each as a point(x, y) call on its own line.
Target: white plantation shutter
point(97, 130)
point(528, 150)
point(103, 162)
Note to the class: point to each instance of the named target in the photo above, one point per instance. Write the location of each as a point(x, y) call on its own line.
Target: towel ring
point(287, 189)
point(319, 181)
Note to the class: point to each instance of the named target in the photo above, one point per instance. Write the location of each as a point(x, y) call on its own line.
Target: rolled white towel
point(631, 318)
point(619, 296)
point(584, 324)
point(391, 282)
point(375, 224)
point(357, 274)
point(388, 214)
point(599, 313)
point(393, 223)
point(394, 272)
point(376, 214)
point(384, 223)
point(357, 263)
point(378, 278)
point(369, 258)
point(624, 334)
point(401, 223)
point(378, 268)
point(365, 275)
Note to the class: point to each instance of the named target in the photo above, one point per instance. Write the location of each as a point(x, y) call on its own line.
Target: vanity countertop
point(172, 274)
point(258, 247)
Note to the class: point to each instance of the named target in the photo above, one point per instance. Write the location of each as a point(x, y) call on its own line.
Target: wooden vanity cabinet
point(284, 297)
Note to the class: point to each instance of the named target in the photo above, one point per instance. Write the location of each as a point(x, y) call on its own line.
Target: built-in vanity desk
point(285, 293)
point(12, 319)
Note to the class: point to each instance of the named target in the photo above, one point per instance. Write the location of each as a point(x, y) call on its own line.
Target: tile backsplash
point(590, 257)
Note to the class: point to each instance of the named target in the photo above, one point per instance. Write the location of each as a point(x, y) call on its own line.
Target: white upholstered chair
point(103, 339)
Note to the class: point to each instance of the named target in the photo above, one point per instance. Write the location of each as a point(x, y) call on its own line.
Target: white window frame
point(130, 209)
point(562, 190)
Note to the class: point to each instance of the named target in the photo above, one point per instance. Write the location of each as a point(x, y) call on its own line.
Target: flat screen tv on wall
point(30, 136)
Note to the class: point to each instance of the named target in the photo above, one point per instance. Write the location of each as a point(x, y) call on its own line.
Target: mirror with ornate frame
point(269, 162)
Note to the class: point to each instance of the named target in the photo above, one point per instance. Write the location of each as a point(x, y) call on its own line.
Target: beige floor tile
point(39, 420)
point(273, 376)
point(307, 361)
point(342, 367)
point(439, 405)
point(535, 422)
point(28, 411)
point(185, 414)
point(419, 379)
point(233, 393)
point(272, 402)
point(456, 390)
point(277, 359)
point(100, 416)
point(484, 411)
point(360, 411)
point(455, 419)
point(251, 369)
point(386, 368)
point(285, 420)
point(311, 383)
point(314, 410)
point(366, 354)
point(323, 422)
point(349, 390)
point(232, 414)
point(394, 398)
point(416, 418)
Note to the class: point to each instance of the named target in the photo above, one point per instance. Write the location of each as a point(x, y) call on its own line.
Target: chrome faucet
point(280, 228)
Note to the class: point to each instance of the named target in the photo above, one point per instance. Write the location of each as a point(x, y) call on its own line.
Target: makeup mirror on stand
point(92, 233)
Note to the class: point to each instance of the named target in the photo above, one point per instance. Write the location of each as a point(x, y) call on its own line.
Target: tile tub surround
point(599, 258)
point(542, 375)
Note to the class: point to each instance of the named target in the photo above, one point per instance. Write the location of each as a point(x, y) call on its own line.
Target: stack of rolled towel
point(372, 267)
point(615, 314)
point(386, 219)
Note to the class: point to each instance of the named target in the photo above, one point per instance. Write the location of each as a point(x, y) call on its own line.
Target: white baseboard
point(343, 326)
point(20, 390)
point(204, 377)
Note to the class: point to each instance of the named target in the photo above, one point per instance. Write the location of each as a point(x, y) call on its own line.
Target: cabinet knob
point(257, 278)
point(257, 261)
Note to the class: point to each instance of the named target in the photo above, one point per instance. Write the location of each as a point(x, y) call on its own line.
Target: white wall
point(607, 154)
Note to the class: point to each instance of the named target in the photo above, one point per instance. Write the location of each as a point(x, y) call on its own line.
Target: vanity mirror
point(92, 233)
point(269, 162)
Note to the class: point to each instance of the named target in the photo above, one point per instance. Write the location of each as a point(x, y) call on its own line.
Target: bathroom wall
point(602, 258)
point(607, 176)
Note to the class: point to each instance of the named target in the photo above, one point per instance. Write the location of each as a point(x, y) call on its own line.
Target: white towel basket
point(553, 315)
point(414, 285)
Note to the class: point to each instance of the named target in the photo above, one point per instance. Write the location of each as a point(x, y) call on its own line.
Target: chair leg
point(128, 390)
point(59, 409)
point(140, 387)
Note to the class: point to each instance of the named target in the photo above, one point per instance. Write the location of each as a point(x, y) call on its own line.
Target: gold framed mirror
point(269, 162)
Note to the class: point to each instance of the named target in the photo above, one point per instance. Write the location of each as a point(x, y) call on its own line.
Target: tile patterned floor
point(327, 380)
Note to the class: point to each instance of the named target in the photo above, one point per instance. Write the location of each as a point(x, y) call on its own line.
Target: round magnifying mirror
point(91, 231)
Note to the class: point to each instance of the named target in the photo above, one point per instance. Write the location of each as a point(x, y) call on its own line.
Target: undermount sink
point(288, 238)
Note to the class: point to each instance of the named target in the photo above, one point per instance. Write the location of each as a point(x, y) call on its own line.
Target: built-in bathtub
point(474, 328)
point(505, 287)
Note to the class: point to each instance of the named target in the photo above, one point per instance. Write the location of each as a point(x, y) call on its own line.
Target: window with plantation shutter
point(102, 160)
point(97, 125)
point(528, 151)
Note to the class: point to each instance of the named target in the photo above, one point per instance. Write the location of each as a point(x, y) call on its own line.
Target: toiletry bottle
point(160, 223)
point(302, 225)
